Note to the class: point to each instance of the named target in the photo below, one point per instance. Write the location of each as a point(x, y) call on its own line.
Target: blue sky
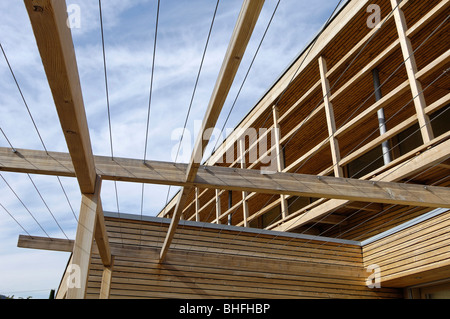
point(129, 33)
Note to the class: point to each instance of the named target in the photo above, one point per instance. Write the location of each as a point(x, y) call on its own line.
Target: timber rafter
point(226, 178)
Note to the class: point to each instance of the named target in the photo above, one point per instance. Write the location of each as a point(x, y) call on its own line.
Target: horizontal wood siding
point(219, 263)
point(417, 254)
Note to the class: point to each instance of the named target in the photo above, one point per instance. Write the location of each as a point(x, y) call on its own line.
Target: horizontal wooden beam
point(45, 243)
point(281, 183)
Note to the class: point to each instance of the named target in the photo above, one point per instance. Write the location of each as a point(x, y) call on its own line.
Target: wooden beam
point(65, 245)
point(420, 163)
point(440, 7)
point(81, 246)
point(54, 41)
point(45, 243)
point(335, 27)
point(182, 195)
point(242, 32)
point(101, 237)
point(227, 178)
point(411, 70)
point(331, 124)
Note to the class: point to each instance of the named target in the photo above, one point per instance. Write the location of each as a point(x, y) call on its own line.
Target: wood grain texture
point(411, 69)
point(246, 180)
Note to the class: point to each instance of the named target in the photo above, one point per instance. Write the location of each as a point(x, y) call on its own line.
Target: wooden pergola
point(332, 187)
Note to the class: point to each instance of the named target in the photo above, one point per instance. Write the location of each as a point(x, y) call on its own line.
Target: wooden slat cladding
point(415, 255)
point(204, 262)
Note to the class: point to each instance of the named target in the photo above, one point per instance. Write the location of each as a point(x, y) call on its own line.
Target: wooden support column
point(230, 204)
point(197, 206)
point(84, 239)
point(218, 209)
point(279, 156)
point(411, 69)
point(334, 144)
point(244, 193)
point(105, 287)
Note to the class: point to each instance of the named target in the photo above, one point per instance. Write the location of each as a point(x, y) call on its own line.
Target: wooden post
point(244, 193)
point(230, 204)
point(84, 239)
point(105, 287)
point(279, 156)
point(411, 69)
point(197, 206)
point(54, 40)
point(218, 210)
point(334, 144)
